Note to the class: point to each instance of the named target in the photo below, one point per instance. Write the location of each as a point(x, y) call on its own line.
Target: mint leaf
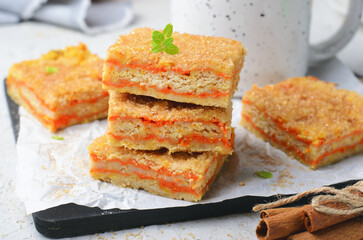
point(171, 49)
point(264, 174)
point(51, 70)
point(158, 37)
point(157, 48)
point(163, 41)
point(154, 44)
point(168, 30)
point(55, 137)
point(168, 41)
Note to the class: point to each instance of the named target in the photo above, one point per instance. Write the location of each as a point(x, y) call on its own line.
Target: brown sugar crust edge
point(221, 55)
point(137, 106)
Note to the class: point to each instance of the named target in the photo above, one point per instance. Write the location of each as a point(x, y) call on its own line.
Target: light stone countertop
point(28, 40)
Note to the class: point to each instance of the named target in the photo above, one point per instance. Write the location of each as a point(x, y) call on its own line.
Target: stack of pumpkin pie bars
point(169, 121)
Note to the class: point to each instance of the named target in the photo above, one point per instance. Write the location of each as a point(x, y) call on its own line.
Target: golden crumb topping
point(310, 108)
point(178, 162)
point(220, 55)
point(124, 104)
point(61, 77)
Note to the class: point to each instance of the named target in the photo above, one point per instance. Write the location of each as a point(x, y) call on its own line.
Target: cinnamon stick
point(272, 212)
point(315, 221)
point(281, 225)
point(349, 230)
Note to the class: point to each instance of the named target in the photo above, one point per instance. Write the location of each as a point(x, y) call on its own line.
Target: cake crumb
point(283, 177)
point(242, 183)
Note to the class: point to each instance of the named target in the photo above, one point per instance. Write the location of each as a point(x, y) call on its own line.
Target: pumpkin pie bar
point(62, 88)
point(204, 72)
point(307, 118)
point(180, 175)
point(146, 123)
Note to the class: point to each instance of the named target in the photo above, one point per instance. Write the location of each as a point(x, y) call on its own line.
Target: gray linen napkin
point(13, 11)
point(85, 15)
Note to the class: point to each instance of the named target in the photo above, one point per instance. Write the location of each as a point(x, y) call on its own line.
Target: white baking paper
point(54, 172)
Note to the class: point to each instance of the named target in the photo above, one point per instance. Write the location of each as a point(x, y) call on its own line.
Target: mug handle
point(327, 49)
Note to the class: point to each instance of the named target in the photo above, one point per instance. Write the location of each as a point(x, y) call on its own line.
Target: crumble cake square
point(204, 72)
point(62, 88)
point(309, 119)
point(180, 175)
point(146, 123)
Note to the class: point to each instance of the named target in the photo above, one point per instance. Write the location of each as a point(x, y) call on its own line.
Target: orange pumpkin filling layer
point(126, 83)
point(55, 108)
point(62, 120)
point(297, 151)
point(295, 133)
point(154, 69)
point(159, 123)
point(123, 83)
point(184, 141)
point(173, 186)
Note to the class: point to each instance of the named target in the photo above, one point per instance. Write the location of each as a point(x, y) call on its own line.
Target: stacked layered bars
point(309, 119)
point(169, 126)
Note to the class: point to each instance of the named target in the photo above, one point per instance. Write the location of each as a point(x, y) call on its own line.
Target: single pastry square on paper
point(307, 118)
point(204, 72)
point(146, 123)
point(180, 175)
point(62, 88)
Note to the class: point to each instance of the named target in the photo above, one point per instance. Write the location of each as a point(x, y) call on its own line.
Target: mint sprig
point(264, 174)
point(163, 41)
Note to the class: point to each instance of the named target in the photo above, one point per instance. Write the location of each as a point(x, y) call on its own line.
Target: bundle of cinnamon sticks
point(295, 223)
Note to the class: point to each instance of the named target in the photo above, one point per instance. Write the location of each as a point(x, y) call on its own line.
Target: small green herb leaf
point(55, 137)
point(154, 44)
point(163, 41)
point(158, 37)
point(168, 30)
point(157, 48)
point(171, 49)
point(264, 174)
point(51, 70)
point(168, 41)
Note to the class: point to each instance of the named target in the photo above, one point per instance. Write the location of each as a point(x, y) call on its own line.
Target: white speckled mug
point(275, 34)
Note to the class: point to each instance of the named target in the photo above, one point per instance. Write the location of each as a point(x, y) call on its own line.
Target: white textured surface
point(28, 40)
